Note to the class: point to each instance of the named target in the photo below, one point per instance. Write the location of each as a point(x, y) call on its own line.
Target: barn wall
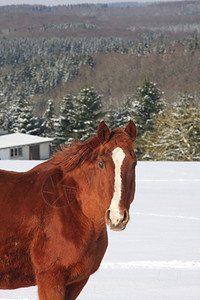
point(25, 152)
point(5, 153)
point(44, 151)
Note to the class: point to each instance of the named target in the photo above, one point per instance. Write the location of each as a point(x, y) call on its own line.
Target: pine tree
point(15, 110)
point(23, 119)
point(67, 120)
point(147, 106)
point(119, 117)
point(111, 117)
point(88, 108)
point(27, 120)
point(3, 112)
point(125, 113)
point(49, 117)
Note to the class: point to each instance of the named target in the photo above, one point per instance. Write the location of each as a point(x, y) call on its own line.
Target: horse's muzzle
point(117, 221)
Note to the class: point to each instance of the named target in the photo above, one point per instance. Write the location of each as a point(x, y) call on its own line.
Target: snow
point(158, 255)
point(19, 139)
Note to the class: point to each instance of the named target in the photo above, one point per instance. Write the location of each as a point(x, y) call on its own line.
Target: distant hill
point(117, 19)
point(122, 9)
point(52, 50)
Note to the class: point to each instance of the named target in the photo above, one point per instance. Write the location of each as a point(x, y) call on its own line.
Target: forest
point(64, 68)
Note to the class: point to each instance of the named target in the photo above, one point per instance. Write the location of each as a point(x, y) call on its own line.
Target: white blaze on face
point(118, 156)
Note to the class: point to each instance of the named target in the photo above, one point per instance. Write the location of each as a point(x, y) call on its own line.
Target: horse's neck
point(89, 199)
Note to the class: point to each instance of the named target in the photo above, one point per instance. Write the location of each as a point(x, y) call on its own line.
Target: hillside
point(117, 75)
point(103, 20)
point(49, 51)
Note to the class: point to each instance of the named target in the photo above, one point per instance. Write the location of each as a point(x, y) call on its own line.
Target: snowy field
point(157, 257)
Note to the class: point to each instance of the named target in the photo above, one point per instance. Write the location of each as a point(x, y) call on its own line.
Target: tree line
point(165, 131)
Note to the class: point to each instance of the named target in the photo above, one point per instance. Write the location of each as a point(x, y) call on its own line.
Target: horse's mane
point(71, 156)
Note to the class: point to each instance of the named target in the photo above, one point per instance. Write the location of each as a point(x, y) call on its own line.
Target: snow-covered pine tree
point(125, 113)
point(111, 117)
point(3, 112)
point(89, 107)
point(23, 119)
point(14, 112)
point(147, 106)
point(119, 117)
point(49, 117)
point(27, 121)
point(67, 120)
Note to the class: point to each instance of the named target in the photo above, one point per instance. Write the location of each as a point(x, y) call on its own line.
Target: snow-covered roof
point(21, 139)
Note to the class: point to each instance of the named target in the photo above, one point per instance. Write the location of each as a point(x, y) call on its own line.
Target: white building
point(24, 146)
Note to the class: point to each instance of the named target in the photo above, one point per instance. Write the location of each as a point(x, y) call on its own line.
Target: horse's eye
point(134, 165)
point(101, 165)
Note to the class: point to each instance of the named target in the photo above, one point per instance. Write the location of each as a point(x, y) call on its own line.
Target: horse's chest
point(89, 260)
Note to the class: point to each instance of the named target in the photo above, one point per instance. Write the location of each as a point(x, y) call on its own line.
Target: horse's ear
point(131, 130)
point(103, 132)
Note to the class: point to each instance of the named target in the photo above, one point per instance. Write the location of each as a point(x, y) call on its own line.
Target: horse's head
point(117, 162)
point(102, 172)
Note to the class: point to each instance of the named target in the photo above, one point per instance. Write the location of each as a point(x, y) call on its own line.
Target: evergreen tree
point(23, 119)
point(67, 120)
point(48, 125)
point(147, 106)
point(15, 108)
point(119, 117)
point(3, 112)
point(111, 117)
point(88, 108)
point(125, 113)
point(26, 120)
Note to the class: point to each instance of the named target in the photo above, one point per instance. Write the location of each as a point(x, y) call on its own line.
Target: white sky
point(62, 2)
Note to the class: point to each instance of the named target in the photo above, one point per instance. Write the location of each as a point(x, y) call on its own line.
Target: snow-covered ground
point(157, 257)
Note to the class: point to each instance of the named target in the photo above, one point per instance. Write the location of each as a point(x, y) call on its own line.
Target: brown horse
point(53, 217)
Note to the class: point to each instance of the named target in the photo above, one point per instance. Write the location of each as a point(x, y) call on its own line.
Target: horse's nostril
point(108, 214)
point(126, 216)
